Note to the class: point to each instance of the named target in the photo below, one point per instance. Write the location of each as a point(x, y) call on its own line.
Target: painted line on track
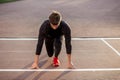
point(48, 70)
point(111, 47)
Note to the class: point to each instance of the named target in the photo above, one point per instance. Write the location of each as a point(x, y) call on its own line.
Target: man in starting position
point(52, 31)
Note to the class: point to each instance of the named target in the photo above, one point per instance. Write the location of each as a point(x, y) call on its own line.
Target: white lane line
point(111, 47)
point(80, 70)
point(15, 39)
point(72, 38)
point(86, 38)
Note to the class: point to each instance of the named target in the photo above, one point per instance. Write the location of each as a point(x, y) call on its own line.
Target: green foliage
point(5, 1)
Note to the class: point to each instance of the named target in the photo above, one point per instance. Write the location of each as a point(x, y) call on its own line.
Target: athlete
point(51, 31)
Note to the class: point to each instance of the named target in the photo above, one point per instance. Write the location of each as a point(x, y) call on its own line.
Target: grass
point(5, 1)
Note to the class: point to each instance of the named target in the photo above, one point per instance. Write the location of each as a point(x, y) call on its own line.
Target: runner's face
point(54, 26)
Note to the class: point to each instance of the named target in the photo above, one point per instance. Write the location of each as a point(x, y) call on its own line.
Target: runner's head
point(55, 18)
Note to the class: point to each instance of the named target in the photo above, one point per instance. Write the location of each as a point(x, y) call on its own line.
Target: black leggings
point(53, 45)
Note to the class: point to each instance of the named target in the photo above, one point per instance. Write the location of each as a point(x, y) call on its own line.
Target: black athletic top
point(47, 32)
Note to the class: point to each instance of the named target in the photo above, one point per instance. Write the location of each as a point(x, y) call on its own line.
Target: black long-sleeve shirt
point(47, 32)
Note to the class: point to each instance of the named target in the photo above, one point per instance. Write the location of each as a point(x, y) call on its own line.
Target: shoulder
point(44, 25)
point(46, 22)
point(64, 25)
point(63, 22)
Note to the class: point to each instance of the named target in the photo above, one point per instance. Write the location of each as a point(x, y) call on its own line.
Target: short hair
point(55, 18)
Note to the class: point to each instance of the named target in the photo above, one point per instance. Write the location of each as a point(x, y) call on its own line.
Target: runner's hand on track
point(71, 66)
point(34, 66)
